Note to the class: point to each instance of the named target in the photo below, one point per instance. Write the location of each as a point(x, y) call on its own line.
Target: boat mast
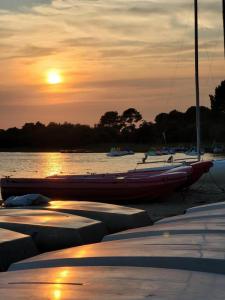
point(197, 91)
point(224, 24)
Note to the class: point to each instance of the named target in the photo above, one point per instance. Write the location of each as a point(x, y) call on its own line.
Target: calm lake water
point(46, 164)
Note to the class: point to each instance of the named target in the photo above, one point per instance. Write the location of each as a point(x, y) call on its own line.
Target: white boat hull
point(215, 178)
point(119, 153)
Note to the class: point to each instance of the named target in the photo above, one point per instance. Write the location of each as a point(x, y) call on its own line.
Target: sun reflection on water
point(53, 163)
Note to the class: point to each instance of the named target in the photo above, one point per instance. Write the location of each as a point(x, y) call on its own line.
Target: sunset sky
point(72, 60)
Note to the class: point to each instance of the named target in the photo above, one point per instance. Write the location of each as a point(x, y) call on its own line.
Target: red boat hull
point(197, 170)
point(108, 187)
point(105, 189)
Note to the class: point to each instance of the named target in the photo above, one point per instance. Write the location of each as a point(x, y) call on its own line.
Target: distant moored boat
point(118, 152)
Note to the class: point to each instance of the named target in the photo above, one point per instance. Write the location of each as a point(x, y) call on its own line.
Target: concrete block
point(200, 252)
point(167, 230)
point(116, 218)
point(52, 230)
point(14, 247)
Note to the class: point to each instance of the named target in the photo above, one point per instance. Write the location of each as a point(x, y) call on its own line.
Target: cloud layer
point(113, 53)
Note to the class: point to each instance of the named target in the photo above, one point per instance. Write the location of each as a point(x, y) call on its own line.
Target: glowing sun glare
point(54, 77)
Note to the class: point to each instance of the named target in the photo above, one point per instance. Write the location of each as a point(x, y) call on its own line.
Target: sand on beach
point(176, 204)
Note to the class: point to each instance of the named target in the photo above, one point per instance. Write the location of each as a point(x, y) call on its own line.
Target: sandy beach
point(177, 203)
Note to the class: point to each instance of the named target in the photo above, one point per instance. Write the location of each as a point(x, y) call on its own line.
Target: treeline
point(128, 128)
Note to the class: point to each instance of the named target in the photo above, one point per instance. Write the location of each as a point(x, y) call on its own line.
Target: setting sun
point(54, 77)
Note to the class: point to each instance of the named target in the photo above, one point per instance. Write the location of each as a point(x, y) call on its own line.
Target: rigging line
point(212, 57)
point(224, 25)
point(172, 79)
point(211, 78)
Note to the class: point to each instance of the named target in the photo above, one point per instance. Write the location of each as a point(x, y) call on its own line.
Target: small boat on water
point(67, 151)
point(104, 188)
point(218, 149)
point(75, 151)
point(114, 152)
point(194, 152)
point(161, 151)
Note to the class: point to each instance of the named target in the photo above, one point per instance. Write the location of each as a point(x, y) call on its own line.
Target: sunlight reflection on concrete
point(60, 279)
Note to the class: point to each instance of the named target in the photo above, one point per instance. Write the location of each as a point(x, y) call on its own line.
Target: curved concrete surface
point(14, 247)
point(199, 252)
point(52, 230)
point(111, 283)
point(116, 218)
point(200, 216)
point(208, 207)
point(179, 258)
point(200, 222)
point(168, 230)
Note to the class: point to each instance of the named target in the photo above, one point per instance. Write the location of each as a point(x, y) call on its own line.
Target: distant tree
point(218, 100)
point(175, 115)
point(129, 120)
point(190, 114)
point(161, 119)
point(110, 119)
point(53, 125)
point(28, 127)
point(131, 116)
point(145, 133)
point(39, 125)
point(173, 127)
point(161, 125)
point(12, 137)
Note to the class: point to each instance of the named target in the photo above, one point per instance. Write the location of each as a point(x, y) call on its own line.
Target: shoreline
point(179, 202)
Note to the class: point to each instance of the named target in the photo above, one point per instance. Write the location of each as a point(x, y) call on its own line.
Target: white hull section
point(215, 178)
point(119, 153)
